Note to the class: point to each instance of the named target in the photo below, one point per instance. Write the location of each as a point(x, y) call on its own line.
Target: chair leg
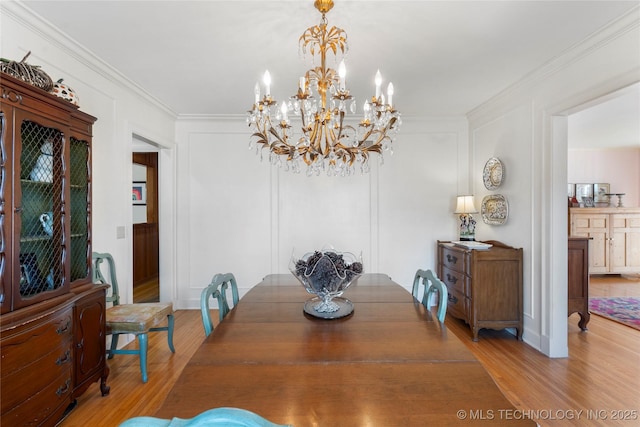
point(114, 345)
point(170, 333)
point(143, 342)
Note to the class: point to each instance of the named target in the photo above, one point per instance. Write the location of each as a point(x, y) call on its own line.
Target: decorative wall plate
point(495, 209)
point(493, 173)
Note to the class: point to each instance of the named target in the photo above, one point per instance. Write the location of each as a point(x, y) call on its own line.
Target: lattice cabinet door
point(40, 209)
point(80, 210)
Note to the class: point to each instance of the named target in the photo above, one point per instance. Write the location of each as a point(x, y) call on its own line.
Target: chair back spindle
point(432, 284)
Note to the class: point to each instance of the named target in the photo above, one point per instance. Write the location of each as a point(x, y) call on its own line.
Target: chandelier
point(324, 140)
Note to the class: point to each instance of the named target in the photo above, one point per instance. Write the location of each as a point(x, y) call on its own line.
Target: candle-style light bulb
point(390, 93)
point(378, 81)
point(367, 110)
point(342, 72)
point(283, 109)
point(256, 91)
point(267, 82)
point(302, 84)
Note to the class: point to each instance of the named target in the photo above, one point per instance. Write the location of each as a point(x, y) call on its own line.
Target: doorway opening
point(604, 152)
point(146, 245)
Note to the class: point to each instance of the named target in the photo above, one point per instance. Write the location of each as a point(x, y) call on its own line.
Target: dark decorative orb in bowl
point(326, 274)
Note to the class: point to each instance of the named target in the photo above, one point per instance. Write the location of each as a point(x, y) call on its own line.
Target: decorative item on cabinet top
point(493, 173)
point(31, 74)
point(495, 209)
point(590, 195)
point(63, 91)
point(582, 191)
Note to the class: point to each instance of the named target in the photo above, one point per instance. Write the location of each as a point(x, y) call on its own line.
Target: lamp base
point(467, 228)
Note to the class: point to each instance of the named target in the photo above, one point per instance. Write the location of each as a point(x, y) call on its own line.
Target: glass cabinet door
point(5, 217)
point(41, 208)
point(79, 167)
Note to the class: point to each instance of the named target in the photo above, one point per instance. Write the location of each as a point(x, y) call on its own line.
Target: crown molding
point(22, 14)
point(597, 40)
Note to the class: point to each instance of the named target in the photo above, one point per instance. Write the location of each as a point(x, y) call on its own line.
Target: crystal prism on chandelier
point(324, 141)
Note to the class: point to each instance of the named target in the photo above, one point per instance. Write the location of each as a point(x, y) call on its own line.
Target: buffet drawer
point(455, 258)
point(458, 305)
point(29, 342)
point(50, 402)
point(20, 385)
point(456, 281)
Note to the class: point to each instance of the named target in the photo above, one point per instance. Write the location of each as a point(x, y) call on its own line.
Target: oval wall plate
point(493, 173)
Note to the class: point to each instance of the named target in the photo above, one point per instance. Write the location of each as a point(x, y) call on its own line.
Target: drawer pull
point(451, 279)
point(65, 358)
point(452, 259)
point(452, 299)
point(63, 389)
point(64, 328)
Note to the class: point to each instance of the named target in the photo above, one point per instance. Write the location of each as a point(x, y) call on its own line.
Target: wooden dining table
point(389, 363)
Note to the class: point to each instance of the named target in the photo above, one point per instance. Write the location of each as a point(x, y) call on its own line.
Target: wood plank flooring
point(147, 291)
point(599, 381)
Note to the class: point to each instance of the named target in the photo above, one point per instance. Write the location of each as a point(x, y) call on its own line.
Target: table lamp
point(465, 207)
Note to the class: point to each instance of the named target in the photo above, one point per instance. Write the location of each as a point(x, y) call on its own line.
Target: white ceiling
point(444, 57)
point(612, 122)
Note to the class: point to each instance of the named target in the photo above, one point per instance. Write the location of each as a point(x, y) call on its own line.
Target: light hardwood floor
point(599, 380)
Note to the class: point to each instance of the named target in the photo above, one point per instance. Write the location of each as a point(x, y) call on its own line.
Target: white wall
point(121, 109)
point(527, 126)
point(238, 214)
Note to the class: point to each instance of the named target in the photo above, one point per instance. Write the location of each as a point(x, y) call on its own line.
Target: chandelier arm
point(330, 140)
point(366, 136)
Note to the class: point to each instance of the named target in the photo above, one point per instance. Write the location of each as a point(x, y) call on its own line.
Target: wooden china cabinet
point(52, 317)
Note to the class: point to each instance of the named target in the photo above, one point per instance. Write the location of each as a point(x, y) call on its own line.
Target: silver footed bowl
point(327, 274)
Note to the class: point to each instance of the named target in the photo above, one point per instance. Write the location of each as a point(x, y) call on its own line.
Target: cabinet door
point(6, 207)
point(89, 352)
point(625, 243)
point(595, 226)
point(80, 211)
point(39, 210)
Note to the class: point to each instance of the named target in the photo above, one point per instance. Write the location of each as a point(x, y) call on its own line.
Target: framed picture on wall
point(571, 190)
point(584, 190)
point(139, 193)
point(600, 193)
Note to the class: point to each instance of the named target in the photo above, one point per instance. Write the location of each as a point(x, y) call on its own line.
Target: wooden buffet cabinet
point(484, 286)
point(615, 238)
point(52, 317)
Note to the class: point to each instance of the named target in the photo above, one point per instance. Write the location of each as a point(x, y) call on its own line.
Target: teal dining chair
point(224, 281)
point(217, 289)
point(218, 417)
point(137, 319)
point(431, 284)
point(207, 293)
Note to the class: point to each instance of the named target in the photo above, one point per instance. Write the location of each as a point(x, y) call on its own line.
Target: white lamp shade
point(466, 205)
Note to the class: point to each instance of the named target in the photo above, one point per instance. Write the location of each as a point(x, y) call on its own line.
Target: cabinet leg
point(584, 319)
point(104, 388)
